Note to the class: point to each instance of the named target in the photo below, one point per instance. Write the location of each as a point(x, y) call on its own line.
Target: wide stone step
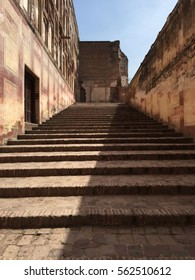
point(80, 116)
point(114, 121)
point(68, 121)
point(100, 120)
point(98, 135)
point(108, 210)
point(96, 119)
point(100, 114)
point(89, 118)
point(101, 111)
point(64, 168)
point(95, 147)
point(97, 185)
point(93, 126)
point(133, 130)
point(96, 155)
point(90, 129)
point(100, 140)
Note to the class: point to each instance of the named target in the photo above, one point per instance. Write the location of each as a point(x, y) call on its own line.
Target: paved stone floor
point(98, 243)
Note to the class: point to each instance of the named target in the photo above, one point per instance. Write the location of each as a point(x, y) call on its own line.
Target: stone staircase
point(97, 164)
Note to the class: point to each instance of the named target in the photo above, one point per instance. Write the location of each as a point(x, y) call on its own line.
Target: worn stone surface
point(114, 244)
point(102, 210)
point(21, 47)
point(103, 69)
point(134, 205)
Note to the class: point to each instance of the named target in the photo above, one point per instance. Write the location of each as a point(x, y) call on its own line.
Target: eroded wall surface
point(164, 85)
point(20, 47)
point(102, 70)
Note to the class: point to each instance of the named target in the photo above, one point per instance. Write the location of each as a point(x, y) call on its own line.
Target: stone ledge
point(95, 216)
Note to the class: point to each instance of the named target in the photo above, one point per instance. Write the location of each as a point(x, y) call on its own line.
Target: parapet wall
point(164, 85)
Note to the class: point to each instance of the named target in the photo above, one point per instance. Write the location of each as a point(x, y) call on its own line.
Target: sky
point(136, 23)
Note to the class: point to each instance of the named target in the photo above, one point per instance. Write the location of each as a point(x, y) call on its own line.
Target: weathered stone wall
point(20, 47)
point(164, 85)
point(101, 67)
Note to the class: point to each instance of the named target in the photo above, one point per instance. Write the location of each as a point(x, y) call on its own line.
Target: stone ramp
point(100, 165)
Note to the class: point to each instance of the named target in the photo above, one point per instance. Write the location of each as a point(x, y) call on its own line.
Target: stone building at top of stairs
point(103, 71)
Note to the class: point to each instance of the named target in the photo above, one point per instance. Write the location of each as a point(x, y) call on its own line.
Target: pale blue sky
point(136, 23)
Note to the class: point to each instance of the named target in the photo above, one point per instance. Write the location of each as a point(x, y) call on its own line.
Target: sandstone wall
point(164, 85)
point(21, 47)
point(102, 66)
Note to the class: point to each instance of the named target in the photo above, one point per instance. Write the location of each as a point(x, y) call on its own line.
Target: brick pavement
point(98, 243)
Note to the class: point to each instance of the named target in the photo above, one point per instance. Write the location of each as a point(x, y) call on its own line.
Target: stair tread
point(104, 145)
point(103, 134)
point(82, 153)
point(98, 164)
point(96, 155)
point(90, 181)
point(79, 205)
point(94, 147)
point(83, 136)
point(94, 125)
point(133, 130)
point(104, 138)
